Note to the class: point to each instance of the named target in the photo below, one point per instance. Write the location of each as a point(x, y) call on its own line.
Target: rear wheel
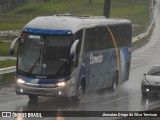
point(114, 86)
point(33, 97)
point(115, 82)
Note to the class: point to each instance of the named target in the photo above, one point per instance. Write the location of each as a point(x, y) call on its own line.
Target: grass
point(7, 63)
point(140, 42)
point(135, 10)
point(4, 51)
point(137, 13)
point(7, 79)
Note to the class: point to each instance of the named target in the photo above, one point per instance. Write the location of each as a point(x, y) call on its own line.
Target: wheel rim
point(114, 86)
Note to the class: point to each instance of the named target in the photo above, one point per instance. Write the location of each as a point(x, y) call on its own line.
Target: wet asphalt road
point(127, 97)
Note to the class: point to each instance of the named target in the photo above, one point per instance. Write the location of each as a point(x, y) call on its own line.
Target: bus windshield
point(44, 55)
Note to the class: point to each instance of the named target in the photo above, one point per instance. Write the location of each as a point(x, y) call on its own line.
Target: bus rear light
point(19, 80)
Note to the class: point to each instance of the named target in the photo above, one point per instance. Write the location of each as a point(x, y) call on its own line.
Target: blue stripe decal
point(49, 32)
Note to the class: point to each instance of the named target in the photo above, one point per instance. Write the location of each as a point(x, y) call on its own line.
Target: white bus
point(69, 55)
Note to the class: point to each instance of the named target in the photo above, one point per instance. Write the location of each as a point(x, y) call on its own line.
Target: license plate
point(40, 91)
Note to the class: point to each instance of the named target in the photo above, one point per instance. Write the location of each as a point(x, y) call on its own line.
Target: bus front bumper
point(40, 90)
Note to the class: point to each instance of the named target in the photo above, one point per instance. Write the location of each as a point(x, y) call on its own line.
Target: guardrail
point(146, 33)
point(7, 70)
point(143, 34)
point(10, 32)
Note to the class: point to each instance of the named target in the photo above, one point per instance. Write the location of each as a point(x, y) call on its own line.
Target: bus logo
point(96, 59)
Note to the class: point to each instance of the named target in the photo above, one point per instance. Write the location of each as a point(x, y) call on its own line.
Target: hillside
point(22, 12)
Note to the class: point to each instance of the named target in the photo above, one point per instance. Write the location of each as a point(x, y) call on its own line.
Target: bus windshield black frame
point(44, 55)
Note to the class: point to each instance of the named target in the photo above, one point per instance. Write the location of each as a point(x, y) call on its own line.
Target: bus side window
point(124, 35)
point(94, 34)
point(87, 41)
point(128, 30)
point(110, 41)
point(104, 40)
point(116, 34)
point(121, 40)
point(98, 38)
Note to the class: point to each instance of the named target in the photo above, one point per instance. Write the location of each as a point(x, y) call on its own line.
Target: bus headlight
point(61, 84)
point(19, 80)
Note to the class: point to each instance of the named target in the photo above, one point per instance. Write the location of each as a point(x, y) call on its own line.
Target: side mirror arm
point(73, 50)
point(13, 43)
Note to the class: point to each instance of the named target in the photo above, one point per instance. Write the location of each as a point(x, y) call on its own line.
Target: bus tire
point(115, 82)
point(33, 97)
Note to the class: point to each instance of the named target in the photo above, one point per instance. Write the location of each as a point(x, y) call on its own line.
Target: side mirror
point(144, 74)
point(72, 55)
point(13, 43)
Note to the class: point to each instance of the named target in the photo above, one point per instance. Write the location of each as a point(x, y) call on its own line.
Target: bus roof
point(70, 23)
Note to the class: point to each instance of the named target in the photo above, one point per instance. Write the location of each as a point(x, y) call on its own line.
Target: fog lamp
point(147, 90)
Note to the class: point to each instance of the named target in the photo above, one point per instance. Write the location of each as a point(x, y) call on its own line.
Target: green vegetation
point(135, 10)
point(4, 51)
point(141, 42)
point(7, 79)
point(7, 63)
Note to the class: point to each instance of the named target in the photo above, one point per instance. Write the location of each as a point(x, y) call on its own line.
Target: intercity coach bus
point(69, 55)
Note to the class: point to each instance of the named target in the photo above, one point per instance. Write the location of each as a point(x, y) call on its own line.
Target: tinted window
point(88, 41)
point(110, 43)
point(122, 34)
point(97, 39)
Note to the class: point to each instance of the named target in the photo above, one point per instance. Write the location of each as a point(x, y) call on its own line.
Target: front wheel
point(115, 82)
point(80, 95)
